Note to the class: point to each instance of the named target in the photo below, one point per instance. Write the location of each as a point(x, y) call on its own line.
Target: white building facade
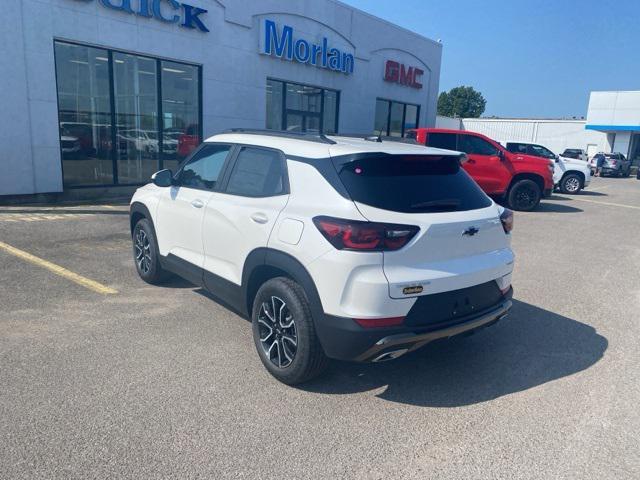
point(556, 135)
point(99, 94)
point(617, 115)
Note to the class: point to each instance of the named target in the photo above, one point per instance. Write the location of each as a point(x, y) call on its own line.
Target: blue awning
point(614, 128)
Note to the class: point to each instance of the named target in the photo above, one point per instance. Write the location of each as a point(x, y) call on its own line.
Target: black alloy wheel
point(524, 195)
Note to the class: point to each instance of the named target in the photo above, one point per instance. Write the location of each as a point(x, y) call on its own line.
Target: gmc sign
point(396, 72)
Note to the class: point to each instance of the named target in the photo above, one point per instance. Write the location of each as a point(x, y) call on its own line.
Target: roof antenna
point(379, 139)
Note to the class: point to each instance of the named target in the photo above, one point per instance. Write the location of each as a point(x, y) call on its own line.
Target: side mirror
point(163, 178)
point(500, 154)
point(557, 158)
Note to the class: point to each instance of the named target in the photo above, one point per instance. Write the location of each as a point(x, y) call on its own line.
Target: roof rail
point(309, 137)
point(377, 138)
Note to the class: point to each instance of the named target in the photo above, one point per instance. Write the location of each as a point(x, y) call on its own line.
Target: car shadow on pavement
point(557, 207)
point(591, 193)
point(531, 347)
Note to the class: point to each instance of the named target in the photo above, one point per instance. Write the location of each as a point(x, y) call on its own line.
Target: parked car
point(569, 175)
point(522, 180)
point(188, 141)
point(335, 247)
point(575, 153)
point(69, 144)
point(615, 164)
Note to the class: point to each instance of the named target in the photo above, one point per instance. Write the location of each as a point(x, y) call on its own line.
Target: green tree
point(461, 102)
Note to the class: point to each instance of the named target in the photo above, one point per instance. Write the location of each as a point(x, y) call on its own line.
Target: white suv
point(335, 247)
point(570, 175)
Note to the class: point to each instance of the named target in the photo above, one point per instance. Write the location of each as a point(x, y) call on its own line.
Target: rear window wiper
point(444, 204)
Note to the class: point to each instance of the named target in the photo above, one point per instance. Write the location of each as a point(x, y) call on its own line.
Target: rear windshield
point(410, 183)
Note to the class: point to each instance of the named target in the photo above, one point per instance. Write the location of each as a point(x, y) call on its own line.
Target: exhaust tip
point(392, 355)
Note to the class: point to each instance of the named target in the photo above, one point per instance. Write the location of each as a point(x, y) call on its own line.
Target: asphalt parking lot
point(138, 381)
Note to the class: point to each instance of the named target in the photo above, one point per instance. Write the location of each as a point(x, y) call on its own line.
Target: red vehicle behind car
point(522, 180)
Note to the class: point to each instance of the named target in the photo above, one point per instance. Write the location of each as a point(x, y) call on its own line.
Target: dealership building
point(99, 94)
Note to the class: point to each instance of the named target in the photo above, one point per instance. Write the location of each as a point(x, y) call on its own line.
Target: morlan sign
point(167, 11)
point(282, 44)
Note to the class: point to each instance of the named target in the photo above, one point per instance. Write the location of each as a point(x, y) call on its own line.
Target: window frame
point(232, 160)
point(285, 111)
point(223, 170)
point(390, 102)
point(113, 157)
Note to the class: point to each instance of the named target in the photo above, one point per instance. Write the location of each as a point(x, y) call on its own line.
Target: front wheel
point(524, 195)
point(146, 255)
point(284, 334)
point(571, 183)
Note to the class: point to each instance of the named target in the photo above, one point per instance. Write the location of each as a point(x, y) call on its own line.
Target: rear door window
point(442, 140)
point(475, 145)
point(517, 147)
point(410, 183)
point(257, 172)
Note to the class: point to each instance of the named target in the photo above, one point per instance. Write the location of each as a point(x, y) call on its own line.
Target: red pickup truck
point(520, 179)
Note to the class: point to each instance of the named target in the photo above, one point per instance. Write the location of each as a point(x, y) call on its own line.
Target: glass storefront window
point(330, 115)
point(136, 101)
point(410, 117)
point(395, 118)
point(180, 112)
point(381, 125)
point(301, 108)
point(84, 112)
point(123, 116)
point(274, 104)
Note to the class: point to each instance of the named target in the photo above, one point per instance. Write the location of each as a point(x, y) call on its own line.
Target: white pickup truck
point(570, 175)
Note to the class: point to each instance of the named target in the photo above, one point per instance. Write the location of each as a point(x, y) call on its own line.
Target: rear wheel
point(524, 195)
point(284, 334)
point(145, 253)
point(571, 183)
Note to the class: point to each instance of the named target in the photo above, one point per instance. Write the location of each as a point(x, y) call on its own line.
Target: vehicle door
point(486, 163)
point(626, 163)
point(181, 207)
point(239, 218)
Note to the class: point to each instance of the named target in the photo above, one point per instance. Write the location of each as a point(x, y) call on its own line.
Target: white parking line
point(611, 204)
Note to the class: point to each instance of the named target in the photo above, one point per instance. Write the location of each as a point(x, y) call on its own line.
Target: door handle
point(197, 203)
point(470, 160)
point(259, 217)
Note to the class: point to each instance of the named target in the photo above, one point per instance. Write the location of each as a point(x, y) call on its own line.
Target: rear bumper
point(344, 339)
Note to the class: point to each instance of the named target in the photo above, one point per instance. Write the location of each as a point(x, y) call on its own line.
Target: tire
point(145, 254)
point(571, 183)
point(286, 340)
point(524, 195)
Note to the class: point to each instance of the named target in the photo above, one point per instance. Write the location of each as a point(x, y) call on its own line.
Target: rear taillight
point(364, 236)
point(507, 220)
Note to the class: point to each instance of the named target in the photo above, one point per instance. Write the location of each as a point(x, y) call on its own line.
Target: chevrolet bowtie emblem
point(471, 231)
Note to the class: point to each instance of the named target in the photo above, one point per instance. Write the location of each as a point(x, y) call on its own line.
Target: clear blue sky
point(528, 58)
